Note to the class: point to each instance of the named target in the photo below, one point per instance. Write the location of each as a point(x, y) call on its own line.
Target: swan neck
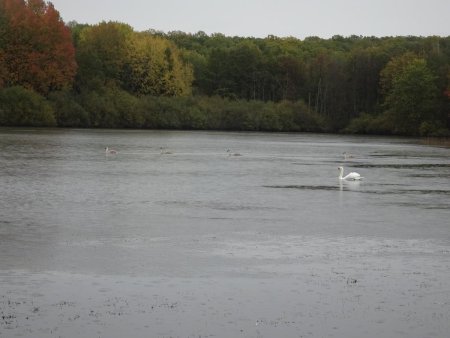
point(341, 173)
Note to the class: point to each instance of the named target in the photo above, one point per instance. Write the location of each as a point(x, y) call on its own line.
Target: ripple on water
point(303, 187)
point(404, 165)
point(381, 192)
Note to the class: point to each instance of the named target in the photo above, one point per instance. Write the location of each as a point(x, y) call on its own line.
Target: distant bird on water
point(232, 154)
point(347, 156)
point(110, 151)
point(164, 152)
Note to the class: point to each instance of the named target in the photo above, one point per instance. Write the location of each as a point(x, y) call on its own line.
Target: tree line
point(109, 75)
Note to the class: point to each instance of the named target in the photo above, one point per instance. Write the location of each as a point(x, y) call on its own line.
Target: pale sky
point(259, 18)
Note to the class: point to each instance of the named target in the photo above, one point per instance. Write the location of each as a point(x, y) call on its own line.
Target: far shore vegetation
point(108, 75)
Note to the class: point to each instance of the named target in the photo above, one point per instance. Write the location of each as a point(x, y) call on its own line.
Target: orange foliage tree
point(36, 48)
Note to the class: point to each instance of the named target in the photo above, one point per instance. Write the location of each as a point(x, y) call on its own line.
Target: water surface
point(195, 242)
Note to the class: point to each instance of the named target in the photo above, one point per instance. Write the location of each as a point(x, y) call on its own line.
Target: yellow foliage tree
point(140, 63)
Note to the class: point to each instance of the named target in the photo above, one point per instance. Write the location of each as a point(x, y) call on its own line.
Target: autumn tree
point(3, 29)
point(154, 66)
point(36, 49)
point(111, 53)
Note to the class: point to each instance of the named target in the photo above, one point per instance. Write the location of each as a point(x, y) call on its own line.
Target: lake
point(175, 236)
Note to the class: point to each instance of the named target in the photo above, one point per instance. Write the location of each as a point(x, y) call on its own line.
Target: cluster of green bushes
point(385, 124)
point(24, 107)
point(116, 108)
point(112, 107)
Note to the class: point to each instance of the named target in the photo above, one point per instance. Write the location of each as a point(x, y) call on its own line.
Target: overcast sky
point(259, 18)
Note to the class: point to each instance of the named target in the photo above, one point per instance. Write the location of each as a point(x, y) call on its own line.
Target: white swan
point(350, 177)
point(110, 151)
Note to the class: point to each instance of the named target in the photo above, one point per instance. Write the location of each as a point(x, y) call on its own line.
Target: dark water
point(197, 243)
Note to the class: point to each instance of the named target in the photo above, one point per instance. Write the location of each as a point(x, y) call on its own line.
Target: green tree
point(233, 72)
point(364, 67)
point(102, 54)
point(412, 98)
point(393, 69)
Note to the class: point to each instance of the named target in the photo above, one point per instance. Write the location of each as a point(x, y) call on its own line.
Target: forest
point(108, 75)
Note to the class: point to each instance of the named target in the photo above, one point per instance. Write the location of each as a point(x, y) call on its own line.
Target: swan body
point(350, 177)
point(110, 151)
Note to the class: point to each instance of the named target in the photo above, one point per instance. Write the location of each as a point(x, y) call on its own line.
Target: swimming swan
point(349, 177)
point(110, 151)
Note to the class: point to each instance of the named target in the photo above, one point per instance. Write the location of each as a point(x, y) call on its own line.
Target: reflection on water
point(349, 185)
point(271, 237)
